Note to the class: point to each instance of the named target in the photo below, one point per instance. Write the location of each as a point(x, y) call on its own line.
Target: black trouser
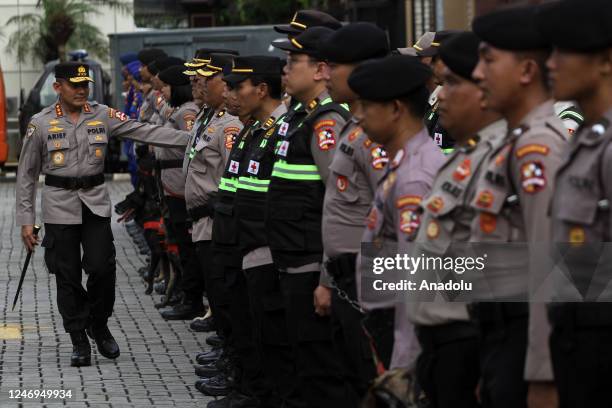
point(270, 332)
point(192, 281)
point(503, 350)
point(350, 341)
point(379, 324)
point(62, 243)
point(581, 354)
point(251, 381)
point(448, 366)
point(218, 298)
point(319, 374)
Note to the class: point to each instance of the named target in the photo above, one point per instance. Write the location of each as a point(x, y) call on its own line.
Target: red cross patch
point(253, 167)
point(234, 165)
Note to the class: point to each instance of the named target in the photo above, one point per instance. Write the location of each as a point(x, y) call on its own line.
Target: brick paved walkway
point(157, 356)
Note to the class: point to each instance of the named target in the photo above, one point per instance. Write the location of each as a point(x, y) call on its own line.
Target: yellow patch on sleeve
point(407, 200)
point(533, 148)
point(325, 123)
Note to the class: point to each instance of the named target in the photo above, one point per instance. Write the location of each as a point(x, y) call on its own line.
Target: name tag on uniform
point(253, 167)
point(233, 167)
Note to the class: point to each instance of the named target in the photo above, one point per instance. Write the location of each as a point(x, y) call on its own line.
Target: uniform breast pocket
point(97, 145)
point(58, 152)
point(494, 216)
point(343, 175)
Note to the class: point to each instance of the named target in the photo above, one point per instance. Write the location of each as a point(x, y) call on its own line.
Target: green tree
point(60, 25)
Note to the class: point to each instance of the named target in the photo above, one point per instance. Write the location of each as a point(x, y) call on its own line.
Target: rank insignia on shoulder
point(87, 108)
point(408, 200)
point(220, 114)
point(59, 112)
point(31, 130)
point(463, 170)
point(367, 143)
point(327, 139)
point(533, 148)
point(409, 221)
point(313, 104)
point(533, 178)
point(268, 122)
point(379, 157)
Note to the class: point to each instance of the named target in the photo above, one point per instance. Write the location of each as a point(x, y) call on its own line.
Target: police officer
point(146, 57)
point(178, 94)
point(511, 200)
point(393, 100)
point(160, 110)
point(67, 142)
point(580, 208)
point(355, 170)
point(448, 366)
point(257, 87)
point(294, 209)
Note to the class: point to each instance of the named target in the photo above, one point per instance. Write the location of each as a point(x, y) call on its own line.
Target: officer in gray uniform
point(146, 57)
point(355, 171)
point(178, 94)
point(580, 208)
point(511, 201)
point(448, 366)
point(67, 142)
point(393, 96)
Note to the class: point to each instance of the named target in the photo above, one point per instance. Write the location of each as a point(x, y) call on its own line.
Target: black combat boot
point(107, 346)
point(81, 350)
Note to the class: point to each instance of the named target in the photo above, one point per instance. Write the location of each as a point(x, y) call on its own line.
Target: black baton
point(25, 268)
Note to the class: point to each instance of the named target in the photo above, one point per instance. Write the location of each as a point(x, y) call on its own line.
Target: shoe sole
point(85, 363)
point(214, 393)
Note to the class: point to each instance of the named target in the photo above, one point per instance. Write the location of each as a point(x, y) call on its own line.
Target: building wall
point(19, 76)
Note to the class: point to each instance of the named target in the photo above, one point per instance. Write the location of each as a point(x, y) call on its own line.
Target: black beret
point(255, 65)
point(148, 55)
point(218, 63)
point(589, 21)
point(512, 29)
point(435, 41)
point(306, 42)
point(460, 53)
point(74, 72)
point(173, 76)
point(166, 62)
point(305, 19)
point(389, 78)
point(354, 43)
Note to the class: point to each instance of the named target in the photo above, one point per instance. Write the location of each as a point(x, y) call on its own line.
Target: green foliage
point(60, 25)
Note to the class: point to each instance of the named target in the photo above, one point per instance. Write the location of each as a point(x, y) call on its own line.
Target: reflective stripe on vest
point(448, 151)
point(228, 184)
point(298, 172)
point(253, 184)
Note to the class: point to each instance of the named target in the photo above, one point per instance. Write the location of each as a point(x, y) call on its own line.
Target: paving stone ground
point(157, 356)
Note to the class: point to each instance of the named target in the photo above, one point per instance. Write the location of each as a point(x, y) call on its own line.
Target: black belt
point(74, 183)
point(445, 333)
point(581, 315)
point(498, 312)
point(199, 212)
point(170, 164)
point(341, 266)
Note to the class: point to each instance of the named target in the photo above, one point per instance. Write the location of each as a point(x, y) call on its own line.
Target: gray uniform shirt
point(356, 169)
point(55, 145)
point(395, 219)
point(447, 217)
point(147, 109)
point(524, 168)
point(181, 118)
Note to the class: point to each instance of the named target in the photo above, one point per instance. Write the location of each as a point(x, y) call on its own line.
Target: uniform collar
point(59, 111)
point(409, 148)
point(541, 111)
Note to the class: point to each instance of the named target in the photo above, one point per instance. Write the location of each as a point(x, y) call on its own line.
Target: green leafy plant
point(59, 25)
